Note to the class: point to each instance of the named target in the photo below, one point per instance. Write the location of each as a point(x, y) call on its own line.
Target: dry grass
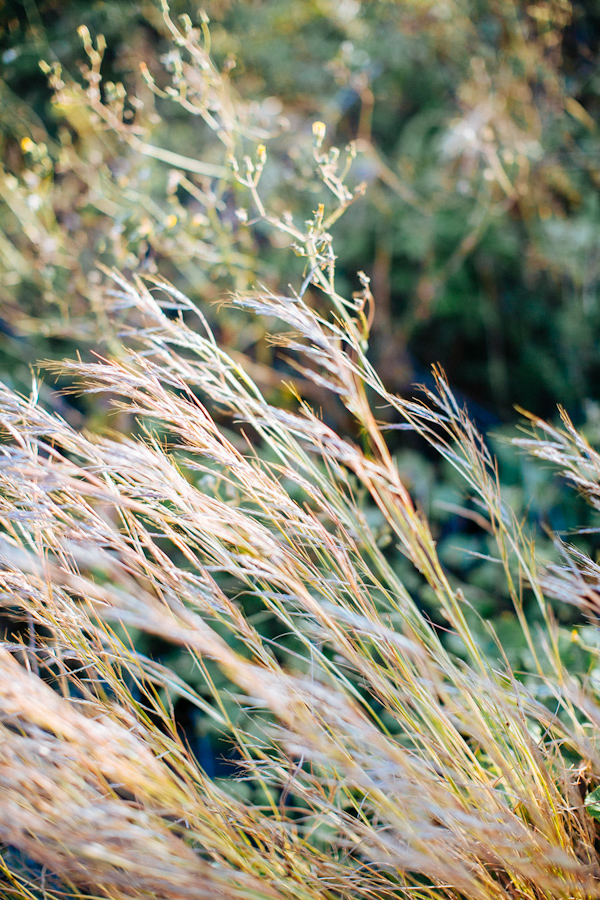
point(381, 763)
point(389, 765)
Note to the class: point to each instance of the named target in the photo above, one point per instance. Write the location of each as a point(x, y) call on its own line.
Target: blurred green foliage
point(476, 130)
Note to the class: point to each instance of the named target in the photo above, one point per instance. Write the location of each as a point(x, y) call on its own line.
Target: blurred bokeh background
point(478, 144)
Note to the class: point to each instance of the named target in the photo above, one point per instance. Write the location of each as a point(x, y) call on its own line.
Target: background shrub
point(475, 126)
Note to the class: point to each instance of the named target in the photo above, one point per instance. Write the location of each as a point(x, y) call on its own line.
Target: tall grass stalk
point(380, 762)
point(386, 764)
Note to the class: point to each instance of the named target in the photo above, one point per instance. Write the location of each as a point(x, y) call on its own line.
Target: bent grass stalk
point(410, 769)
point(380, 763)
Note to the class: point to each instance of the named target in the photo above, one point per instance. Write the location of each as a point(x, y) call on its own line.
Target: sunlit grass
point(381, 758)
point(385, 762)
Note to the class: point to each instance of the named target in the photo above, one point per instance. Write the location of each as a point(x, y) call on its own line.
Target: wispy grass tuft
point(377, 758)
point(386, 764)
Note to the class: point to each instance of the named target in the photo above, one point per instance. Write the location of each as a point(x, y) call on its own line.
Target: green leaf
point(592, 803)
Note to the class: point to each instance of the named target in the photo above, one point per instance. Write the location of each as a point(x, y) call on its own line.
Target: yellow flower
point(319, 130)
